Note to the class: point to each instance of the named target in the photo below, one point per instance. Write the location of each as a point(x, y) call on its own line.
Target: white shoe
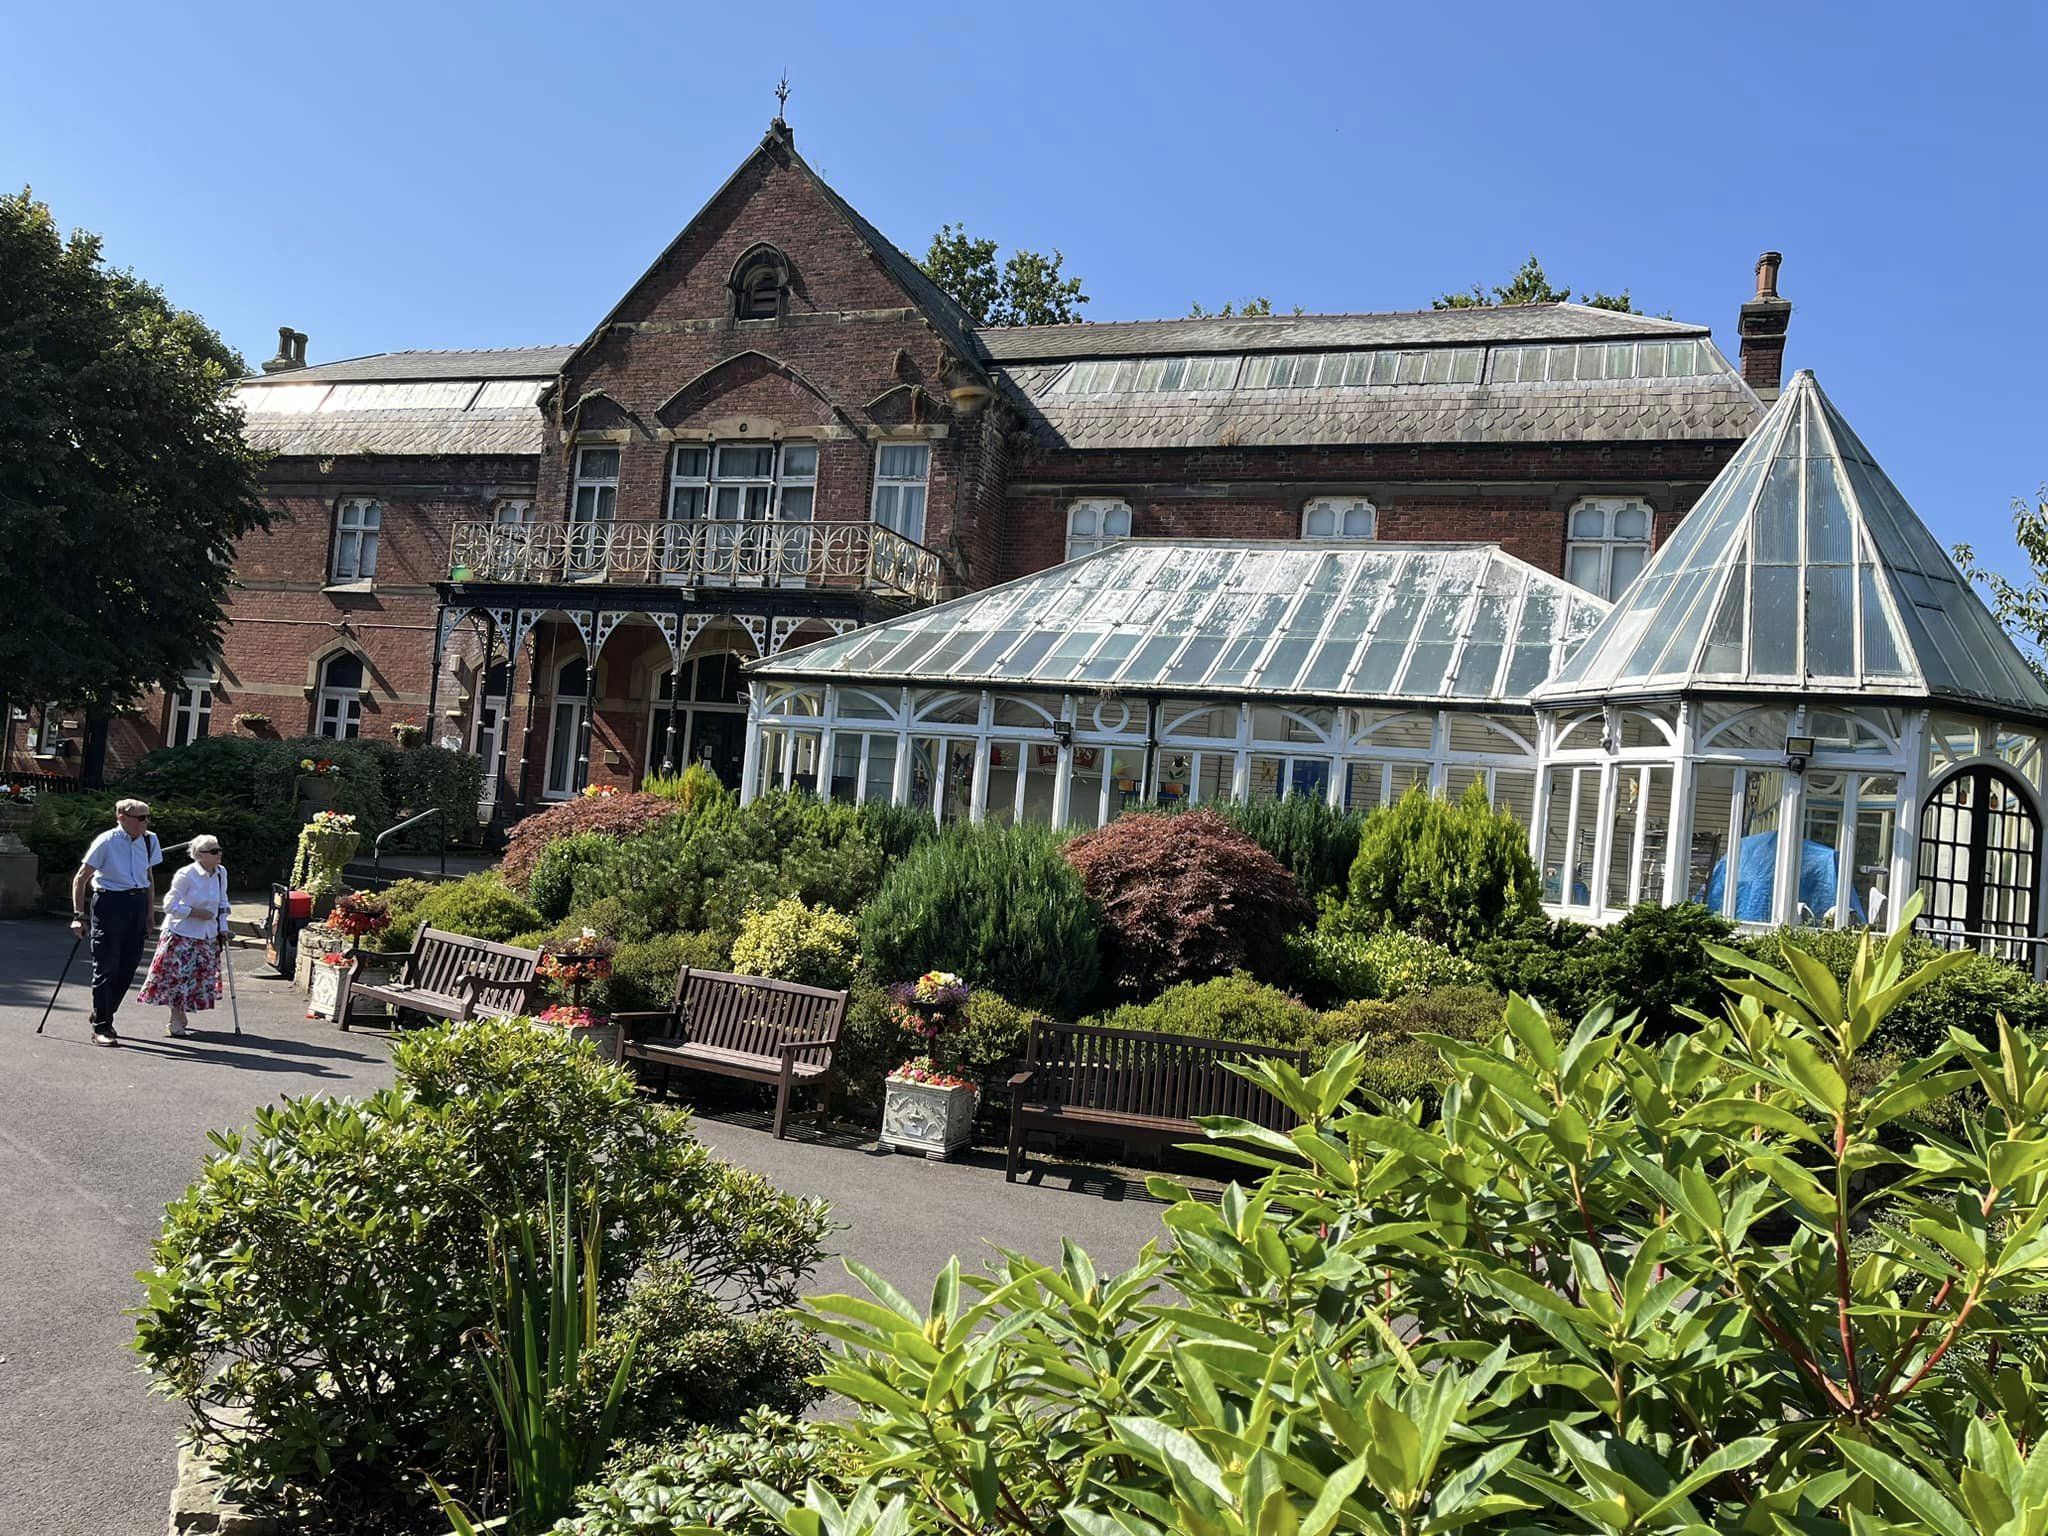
point(179, 1034)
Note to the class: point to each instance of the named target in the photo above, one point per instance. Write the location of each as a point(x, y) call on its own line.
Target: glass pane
point(800, 461)
point(1583, 566)
point(598, 463)
point(1589, 522)
point(1413, 365)
point(1626, 565)
point(1465, 366)
point(1880, 644)
point(1830, 621)
point(1437, 368)
point(1820, 867)
point(1774, 622)
point(1632, 521)
point(1776, 521)
point(1828, 538)
point(1713, 800)
point(1723, 655)
point(1384, 366)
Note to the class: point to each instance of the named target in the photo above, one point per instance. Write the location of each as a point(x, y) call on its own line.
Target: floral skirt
point(185, 974)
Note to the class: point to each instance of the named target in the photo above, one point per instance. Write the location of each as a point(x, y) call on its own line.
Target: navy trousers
point(119, 921)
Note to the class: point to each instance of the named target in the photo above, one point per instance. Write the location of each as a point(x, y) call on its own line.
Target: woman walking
point(185, 975)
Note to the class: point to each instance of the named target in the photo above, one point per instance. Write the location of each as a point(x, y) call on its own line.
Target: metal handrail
point(438, 812)
point(1959, 938)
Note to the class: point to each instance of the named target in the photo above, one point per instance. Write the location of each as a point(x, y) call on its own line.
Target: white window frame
point(43, 740)
point(893, 516)
point(358, 521)
point(1606, 542)
point(338, 709)
point(1343, 510)
point(596, 506)
point(192, 709)
point(512, 512)
point(1104, 510)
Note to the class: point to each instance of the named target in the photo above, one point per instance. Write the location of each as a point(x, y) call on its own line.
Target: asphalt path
point(94, 1142)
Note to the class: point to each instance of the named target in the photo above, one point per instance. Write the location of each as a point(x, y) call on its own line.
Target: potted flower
point(599, 1030)
point(254, 722)
point(326, 843)
point(330, 973)
point(927, 1107)
point(17, 815)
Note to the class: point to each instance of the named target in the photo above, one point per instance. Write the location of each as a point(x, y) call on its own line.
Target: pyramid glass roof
point(1803, 569)
point(1342, 623)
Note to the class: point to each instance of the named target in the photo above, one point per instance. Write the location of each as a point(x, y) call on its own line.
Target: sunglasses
point(134, 816)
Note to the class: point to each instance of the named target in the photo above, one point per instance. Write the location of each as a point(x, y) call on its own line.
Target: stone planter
point(326, 999)
point(15, 821)
point(606, 1038)
point(923, 1117)
point(314, 942)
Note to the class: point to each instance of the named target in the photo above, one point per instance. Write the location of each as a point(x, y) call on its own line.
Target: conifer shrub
point(587, 857)
point(694, 789)
point(1458, 874)
point(481, 906)
point(896, 829)
point(643, 978)
point(1185, 897)
point(1317, 842)
point(999, 906)
point(1238, 1007)
point(620, 815)
point(792, 941)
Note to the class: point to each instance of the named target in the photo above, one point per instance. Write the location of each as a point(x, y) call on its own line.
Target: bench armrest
point(1019, 1079)
point(629, 1022)
point(790, 1046)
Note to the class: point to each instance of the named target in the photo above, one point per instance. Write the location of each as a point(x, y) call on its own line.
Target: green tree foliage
point(322, 1280)
point(1250, 309)
point(1530, 285)
point(2021, 606)
point(125, 481)
point(1606, 1286)
point(999, 906)
point(1316, 841)
point(1457, 874)
point(1029, 289)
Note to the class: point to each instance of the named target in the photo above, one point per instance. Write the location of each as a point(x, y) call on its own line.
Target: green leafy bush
point(1185, 897)
point(1458, 874)
point(896, 829)
point(256, 845)
point(790, 941)
point(1610, 1285)
point(1226, 1008)
point(1541, 960)
point(1317, 842)
point(872, 1041)
point(621, 815)
point(402, 899)
point(1655, 962)
point(1395, 1061)
point(694, 789)
point(1333, 963)
point(322, 1277)
point(656, 1488)
point(999, 906)
point(423, 778)
point(482, 906)
point(588, 857)
point(989, 1039)
point(644, 973)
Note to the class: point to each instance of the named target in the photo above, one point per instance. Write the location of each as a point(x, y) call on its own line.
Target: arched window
point(760, 284)
point(699, 716)
point(1339, 517)
point(1096, 524)
point(567, 769)
point(1609, 544)
point(338, 706)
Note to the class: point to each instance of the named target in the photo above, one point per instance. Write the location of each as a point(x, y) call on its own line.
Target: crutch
point(227, 963)
point(75, 943)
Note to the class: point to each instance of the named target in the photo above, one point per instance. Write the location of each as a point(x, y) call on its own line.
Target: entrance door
point(1980, 843)
point(566, 770)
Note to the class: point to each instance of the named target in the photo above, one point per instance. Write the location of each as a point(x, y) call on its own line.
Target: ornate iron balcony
point(694, 552)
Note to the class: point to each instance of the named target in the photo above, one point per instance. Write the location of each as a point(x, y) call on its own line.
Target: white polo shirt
point(122, 863)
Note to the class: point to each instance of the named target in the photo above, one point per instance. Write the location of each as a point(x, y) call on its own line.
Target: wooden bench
point(1135, 1086)
point(449, 976)
point(747, 1027)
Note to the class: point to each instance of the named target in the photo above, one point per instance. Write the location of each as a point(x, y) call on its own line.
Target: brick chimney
point(291, 351)
point(1763, 325)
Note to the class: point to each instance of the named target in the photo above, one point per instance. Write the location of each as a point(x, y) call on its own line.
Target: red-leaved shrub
point(1185, 897)
point(620, 815)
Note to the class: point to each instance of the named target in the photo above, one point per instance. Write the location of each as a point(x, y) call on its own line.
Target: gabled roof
point(1803, 571)
point(1345, 623)
point(1287, 333)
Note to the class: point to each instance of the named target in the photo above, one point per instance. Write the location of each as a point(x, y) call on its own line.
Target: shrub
point(699, 1479)
point(872, 1041)
point(482, 906)
point(790, 941)
point(589, 857)
point(1655, 962)
point(620, 815)
point(1334, 964)
point(644, 973)
point(1968, 997)
point(998, 905)
point(322, 1277)
point(420, 778)
point(1540, 959)
point(1185, 897)
point(896, 829)
point(1396, 1062)
point(1316, 842)
point(694, 789)
point(1458, 874)
point(257, 845)
point(1225, 1008)
point(402, 899)
point(989, 1039)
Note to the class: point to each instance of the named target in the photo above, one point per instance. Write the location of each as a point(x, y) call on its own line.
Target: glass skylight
point(1402, 622)
point(1803, 567)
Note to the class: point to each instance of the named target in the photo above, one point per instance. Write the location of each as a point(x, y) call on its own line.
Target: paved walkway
point(94, 1142)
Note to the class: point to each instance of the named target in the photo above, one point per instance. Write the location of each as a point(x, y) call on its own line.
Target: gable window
point(192, 709)
point(338, 706)
point(900, 473)
point(1339, 517)
point(512, 514)
point(760, 284)
point(1096, 524)
point(356, 523)
point(1609, 544)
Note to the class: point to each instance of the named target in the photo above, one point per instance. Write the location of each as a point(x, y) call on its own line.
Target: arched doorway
point(706, 704)
point(1980, 840)
point(567, 772)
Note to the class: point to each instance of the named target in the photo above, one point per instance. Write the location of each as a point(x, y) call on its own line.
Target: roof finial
point(781, 95)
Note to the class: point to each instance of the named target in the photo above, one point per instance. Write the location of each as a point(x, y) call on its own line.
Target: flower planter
point(15, 821)
point(606, 1038)
point(923, 1117)
point(316, 793)
point(326, 999)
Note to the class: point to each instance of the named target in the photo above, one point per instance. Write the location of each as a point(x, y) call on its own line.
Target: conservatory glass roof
point(1803, 568)
point(1344, 623)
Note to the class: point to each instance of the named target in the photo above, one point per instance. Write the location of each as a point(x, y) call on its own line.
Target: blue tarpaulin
point(1759, 877)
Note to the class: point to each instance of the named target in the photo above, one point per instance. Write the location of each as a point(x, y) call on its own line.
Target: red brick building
point(562, 556)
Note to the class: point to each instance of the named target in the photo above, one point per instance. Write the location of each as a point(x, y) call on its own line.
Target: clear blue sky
point(437, 175)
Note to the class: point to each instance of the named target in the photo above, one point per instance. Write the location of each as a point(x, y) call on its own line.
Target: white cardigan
point(196, 906)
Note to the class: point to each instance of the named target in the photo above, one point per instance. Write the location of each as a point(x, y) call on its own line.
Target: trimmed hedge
point(256, 845)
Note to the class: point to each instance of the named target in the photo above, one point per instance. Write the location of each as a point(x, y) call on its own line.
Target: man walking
point(119, 875)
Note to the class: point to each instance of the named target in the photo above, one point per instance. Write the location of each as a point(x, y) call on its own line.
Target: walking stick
point(75, 943)
point(227, 962)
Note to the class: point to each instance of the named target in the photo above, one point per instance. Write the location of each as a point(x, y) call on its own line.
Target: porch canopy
point(1804, 698)
point(1183, 670)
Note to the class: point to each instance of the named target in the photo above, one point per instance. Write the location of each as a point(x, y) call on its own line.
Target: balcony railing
point(698, 552)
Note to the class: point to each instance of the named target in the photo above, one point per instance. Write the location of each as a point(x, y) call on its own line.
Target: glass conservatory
point(1183, 672)
point(1798, 713)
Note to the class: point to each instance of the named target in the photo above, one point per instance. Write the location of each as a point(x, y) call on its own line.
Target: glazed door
point(1980, 841)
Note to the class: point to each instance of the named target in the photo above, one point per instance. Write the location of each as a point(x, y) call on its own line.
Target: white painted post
point(750, 760)
point(1905, 861)
point(899, 783)
point(1678, 830)
point(827, 711)
point(977, 798)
